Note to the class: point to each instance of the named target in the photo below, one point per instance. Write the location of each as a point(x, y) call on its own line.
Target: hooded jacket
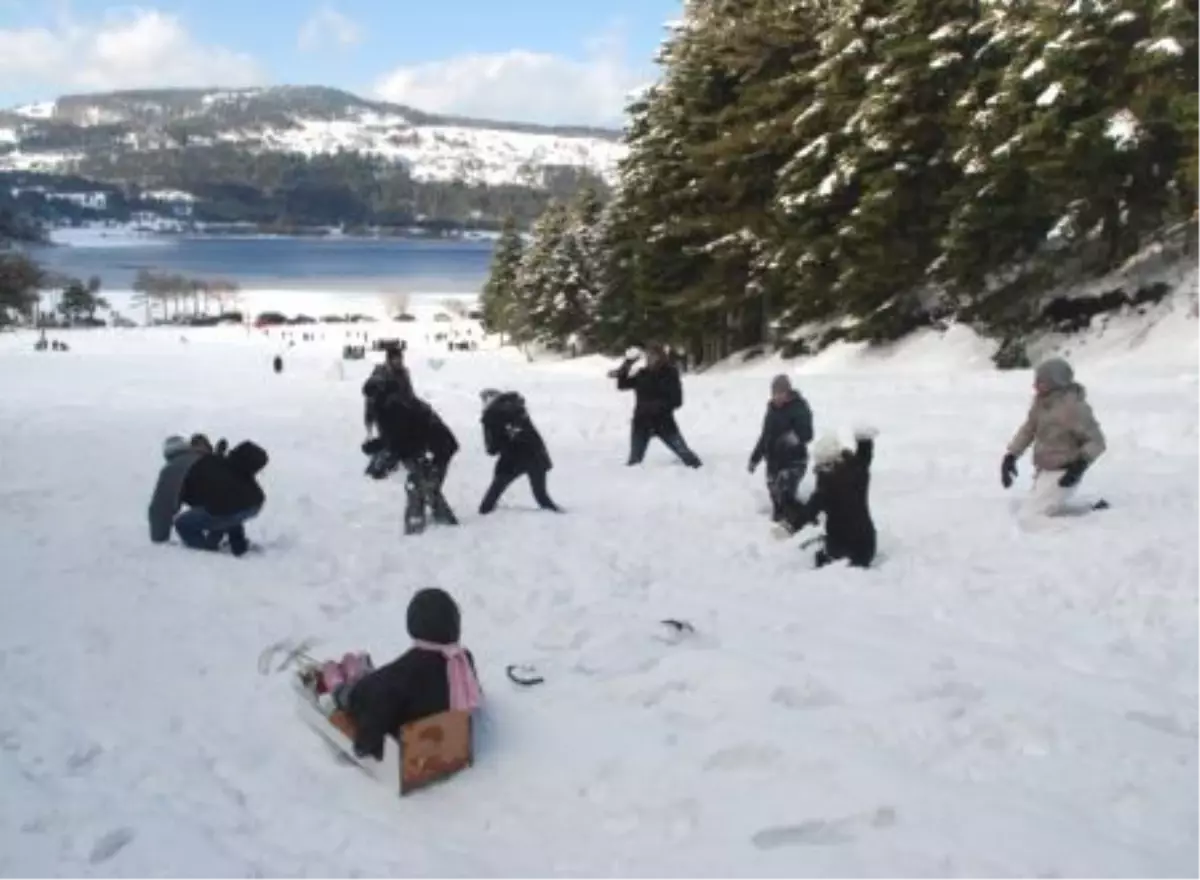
point(509, 432)
point(169, 490)
point(226, 485)
point(786, 432)
point(410, 428)
point(1060, 425)
point(414, 685)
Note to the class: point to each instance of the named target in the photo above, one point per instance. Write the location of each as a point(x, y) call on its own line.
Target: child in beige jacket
point(1064, 433)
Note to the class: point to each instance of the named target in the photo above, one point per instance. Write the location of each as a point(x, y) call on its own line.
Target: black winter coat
point(509, 432)
point(411, 428)
point(226, 485)
point(411, 687)
point(842, 494)
point(786, 432)
point(657, 392)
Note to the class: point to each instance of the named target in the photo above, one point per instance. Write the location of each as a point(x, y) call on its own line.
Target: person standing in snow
point(787, 430)
point(509, 432)
point(658, 394)
point(1065, 436)
point(842, 494)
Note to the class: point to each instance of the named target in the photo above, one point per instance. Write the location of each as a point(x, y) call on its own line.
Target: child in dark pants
point(509, 433)
point(787, 430)
point(843, 486)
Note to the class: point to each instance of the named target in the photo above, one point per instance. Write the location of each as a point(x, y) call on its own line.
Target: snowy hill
point(996, 697)
point(57, 136)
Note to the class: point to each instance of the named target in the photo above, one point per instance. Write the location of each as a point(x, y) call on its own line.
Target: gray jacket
point(1060, 426)
point(165, 501)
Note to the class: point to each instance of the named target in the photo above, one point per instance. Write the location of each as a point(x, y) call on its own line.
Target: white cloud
point(133, 48)
point(328, 26)
point(522, 86)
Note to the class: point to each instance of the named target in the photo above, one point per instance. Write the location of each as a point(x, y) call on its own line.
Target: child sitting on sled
point(435, 675)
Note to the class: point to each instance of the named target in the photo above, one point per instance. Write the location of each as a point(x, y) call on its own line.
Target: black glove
point(1008, 470)
point(752, 466)
point(1073, 473)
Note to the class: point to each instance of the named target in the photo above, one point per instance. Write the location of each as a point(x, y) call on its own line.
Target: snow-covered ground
point(992, 699)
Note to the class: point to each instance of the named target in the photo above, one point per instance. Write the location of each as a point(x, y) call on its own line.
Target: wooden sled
point(419, 754)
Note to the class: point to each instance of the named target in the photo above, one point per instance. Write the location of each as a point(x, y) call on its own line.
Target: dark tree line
point(807, 170)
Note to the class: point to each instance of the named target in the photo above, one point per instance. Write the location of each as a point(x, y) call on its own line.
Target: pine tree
point(500, 293)
point(999, 215)
point(539, 278)
point(818, 186)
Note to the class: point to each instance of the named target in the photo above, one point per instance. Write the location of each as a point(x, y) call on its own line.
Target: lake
point(310, 275)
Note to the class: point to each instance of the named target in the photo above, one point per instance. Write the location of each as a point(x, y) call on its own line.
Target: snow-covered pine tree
point(760, 47)
point(613, 324)
point(903, 159)
point(818, 185)
point(500, 292)
point(1165, 100)
point(572, 276)
point(537, 284)
point(661, 180)
point(998, 216)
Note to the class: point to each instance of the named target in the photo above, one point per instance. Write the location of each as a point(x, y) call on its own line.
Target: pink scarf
point(464, 686)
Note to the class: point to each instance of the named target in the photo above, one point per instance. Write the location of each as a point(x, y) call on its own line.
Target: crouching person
point(842, 495)
point(221, 494)
point(435, 675)
point(1064, 434)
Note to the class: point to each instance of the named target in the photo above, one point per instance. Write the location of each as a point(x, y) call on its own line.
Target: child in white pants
point(1065, 436)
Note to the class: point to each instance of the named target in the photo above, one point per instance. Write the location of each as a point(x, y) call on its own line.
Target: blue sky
point(511, 59)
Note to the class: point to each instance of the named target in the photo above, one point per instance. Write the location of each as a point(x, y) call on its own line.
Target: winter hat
point(175, 445)
point(1054, 373)
point(781, 384)
point(433, 617)
point(487, 395)
point(826, 450)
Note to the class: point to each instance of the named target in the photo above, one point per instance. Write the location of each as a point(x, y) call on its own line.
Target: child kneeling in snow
point(843, 486)
point(1065, 436)
point(435, 675)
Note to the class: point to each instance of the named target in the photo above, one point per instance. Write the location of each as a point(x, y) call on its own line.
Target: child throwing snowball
point(1064, 434)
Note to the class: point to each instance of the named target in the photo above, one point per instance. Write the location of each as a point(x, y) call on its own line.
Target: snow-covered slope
point(302, 120)
point(994, 698)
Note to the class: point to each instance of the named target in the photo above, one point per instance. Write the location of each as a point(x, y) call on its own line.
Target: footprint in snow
point(744, 757)
point(812, 695)
point(823, 832)
point(1163, 724)
point(81, 760)
point(110, 844)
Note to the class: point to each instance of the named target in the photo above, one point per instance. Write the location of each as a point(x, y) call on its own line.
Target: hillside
point(111, 136)
point(996, 697)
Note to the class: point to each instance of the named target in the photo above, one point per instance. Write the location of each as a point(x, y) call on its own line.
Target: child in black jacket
point(435, 675)
point(843, 486)
point(508, 432)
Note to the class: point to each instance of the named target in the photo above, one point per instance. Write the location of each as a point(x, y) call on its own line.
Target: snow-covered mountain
point(60, 136)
